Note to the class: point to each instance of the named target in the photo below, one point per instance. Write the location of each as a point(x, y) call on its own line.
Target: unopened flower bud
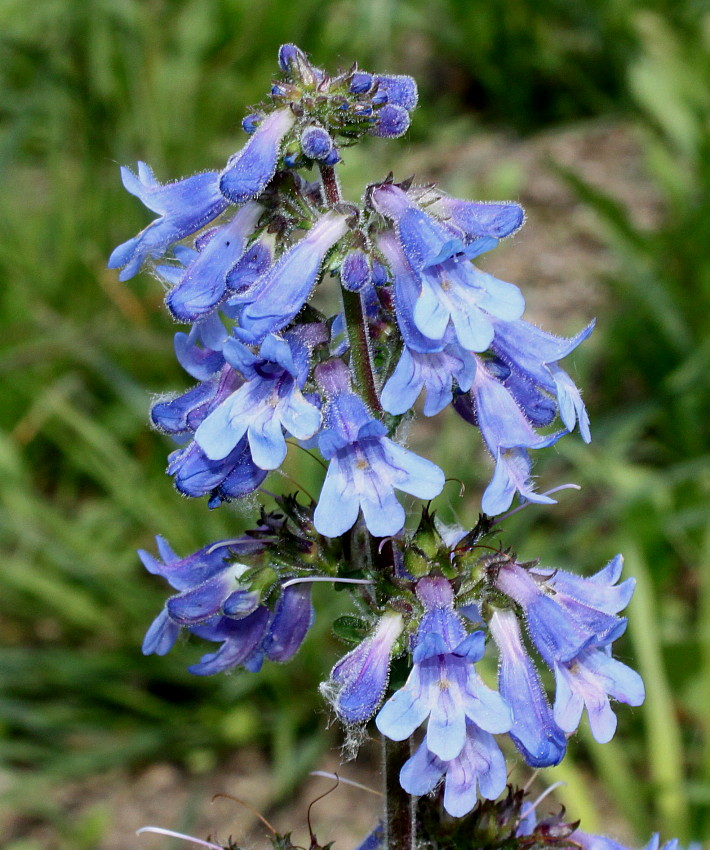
point(360, 82)
point(355, 270)
point(251, 122)
point(316, 142)
point(392, 122)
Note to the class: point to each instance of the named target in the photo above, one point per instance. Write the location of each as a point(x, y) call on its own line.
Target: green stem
point(399, 815)
point(355, 321)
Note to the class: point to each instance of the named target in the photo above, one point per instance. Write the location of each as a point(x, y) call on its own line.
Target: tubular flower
point(443, 684)
point(365, 465)
point(184, 207)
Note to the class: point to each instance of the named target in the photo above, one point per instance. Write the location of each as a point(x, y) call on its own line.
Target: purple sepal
point(184, 207)
point(249, 170)
point(359, 679)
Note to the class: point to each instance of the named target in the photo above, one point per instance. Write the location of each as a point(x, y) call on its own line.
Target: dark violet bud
point(380, 275)
point(392, 122)
point(399, 90)
point(290, 57)
point(361, 82)
point(355, 271)
point(251, 122)
point(291, 160)
point(333, 157)
point(316, 142)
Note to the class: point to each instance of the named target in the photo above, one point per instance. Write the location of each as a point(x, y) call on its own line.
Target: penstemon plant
point(241, 252)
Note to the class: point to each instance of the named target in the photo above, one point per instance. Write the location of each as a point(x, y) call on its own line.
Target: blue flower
point(573, 634)
point(280, 293)
point(450, 293)
point(357, 682)
point(249, 170)
point(269, 399)
point(203, 284)
point(185, 574)
point(531, 356)
point(560, 631)
point(213, 605)
point(443, 684)
point(480, 766)
point(507, 433)
point(435, 371)
point(588, 681)
point(365, 465)
point(233, 477)
point(184, 208)
point(534, 731)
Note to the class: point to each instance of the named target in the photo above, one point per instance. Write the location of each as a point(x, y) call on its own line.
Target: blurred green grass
point(85, 86)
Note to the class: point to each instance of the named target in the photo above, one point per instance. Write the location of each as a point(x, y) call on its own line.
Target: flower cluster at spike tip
point(241, 252)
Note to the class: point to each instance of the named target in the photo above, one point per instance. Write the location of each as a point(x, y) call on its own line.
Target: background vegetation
point(86, 85)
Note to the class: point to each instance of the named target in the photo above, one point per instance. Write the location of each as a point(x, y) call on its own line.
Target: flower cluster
point(571, 623)
point(243, 253)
